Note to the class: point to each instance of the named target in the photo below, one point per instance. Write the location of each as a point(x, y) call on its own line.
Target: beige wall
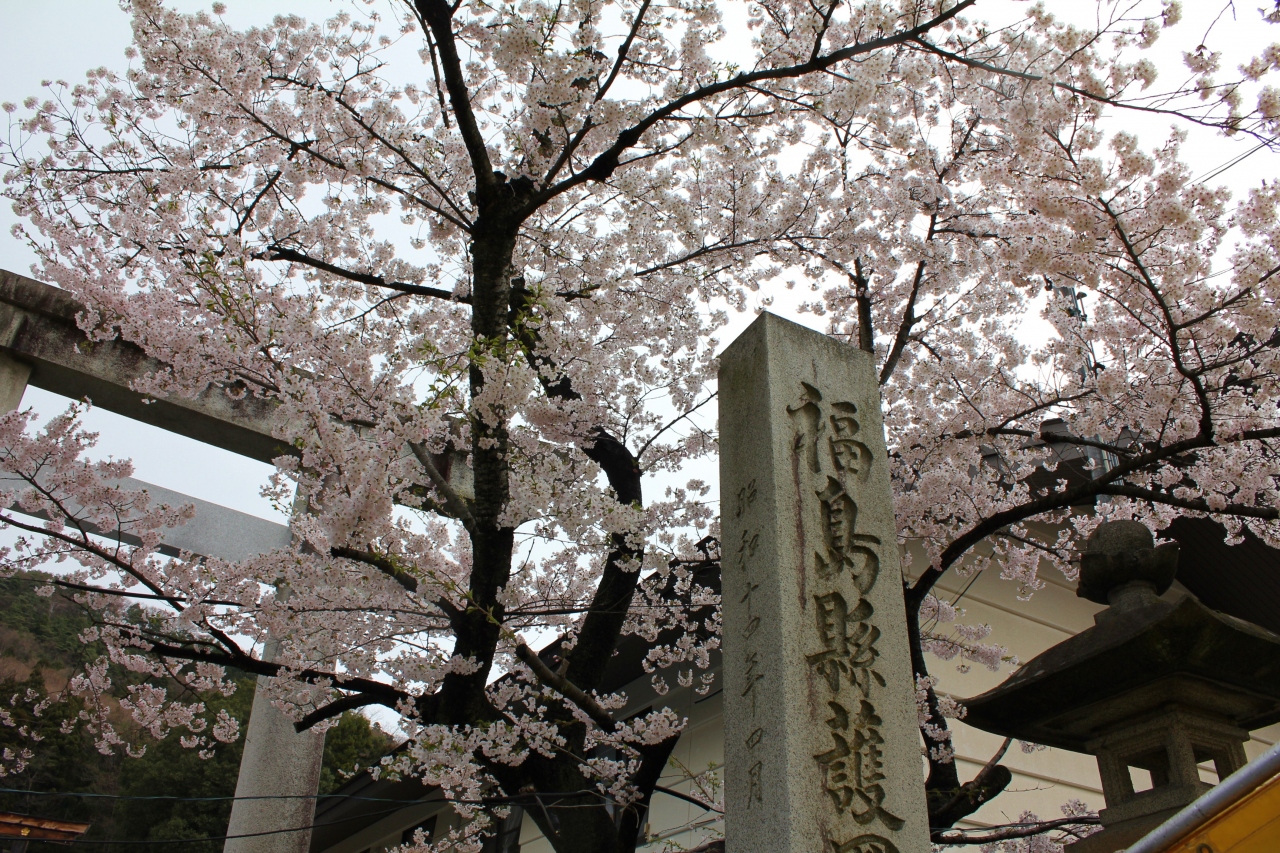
point(1045, 779)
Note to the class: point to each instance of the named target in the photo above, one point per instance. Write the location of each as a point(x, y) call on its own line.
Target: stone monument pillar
point(822, 750)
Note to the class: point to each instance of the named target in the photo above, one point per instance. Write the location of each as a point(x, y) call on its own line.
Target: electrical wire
point(348, 797)
point(1234, 161)
point(401, 805)
point(132, 797)
point(157, 841)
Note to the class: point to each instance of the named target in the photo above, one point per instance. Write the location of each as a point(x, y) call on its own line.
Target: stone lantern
point(1161, 686)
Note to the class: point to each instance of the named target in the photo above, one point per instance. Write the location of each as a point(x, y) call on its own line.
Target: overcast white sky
point(61, 39)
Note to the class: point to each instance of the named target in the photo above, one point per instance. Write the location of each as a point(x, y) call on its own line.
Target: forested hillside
point(169, 792)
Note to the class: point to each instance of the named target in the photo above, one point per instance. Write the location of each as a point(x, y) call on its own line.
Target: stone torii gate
point(41, 346)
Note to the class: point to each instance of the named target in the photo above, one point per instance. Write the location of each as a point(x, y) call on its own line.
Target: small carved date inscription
point(754, 658)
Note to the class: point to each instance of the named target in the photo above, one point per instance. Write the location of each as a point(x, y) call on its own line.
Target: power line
point(349, 797)
point(1235, 161)
point(401, 806)
point(132, 797)
point(157, 841)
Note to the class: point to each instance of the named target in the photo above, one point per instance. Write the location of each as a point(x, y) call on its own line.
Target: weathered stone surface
point(38, 328)
point(216, 531)
point(39, 335)
point(822, 751)
point(37, 322)
point(283, 766)
point(279, 763)
point(1124, 553)
point(13, 383)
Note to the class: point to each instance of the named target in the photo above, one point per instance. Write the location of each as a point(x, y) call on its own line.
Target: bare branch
point(124, 593)
point(279, 253)
point(623, 50)
point(1010, 831)
point(909, 320)
point(383, 564)
point(334, 709)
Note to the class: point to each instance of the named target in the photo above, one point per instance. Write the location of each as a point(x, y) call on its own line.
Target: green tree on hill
point(39, 637)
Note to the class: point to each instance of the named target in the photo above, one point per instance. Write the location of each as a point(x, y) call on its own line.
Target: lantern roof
point(1143, 654)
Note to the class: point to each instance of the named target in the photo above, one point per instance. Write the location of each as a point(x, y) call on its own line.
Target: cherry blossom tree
point(512, 233)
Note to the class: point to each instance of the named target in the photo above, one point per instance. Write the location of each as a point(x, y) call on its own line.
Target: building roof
point(39, 828)
point(1242, 580)
point(363, 801)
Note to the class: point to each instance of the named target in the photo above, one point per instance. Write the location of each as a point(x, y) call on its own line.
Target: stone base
point(1118, 836)
point(1153, 801)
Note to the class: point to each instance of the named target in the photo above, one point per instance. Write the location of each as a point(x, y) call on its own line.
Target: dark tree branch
point(700, 252)
point(623, 50)
point(279, 253)
point(383, 564)
point(909, 320)
point(438, 15)
point(603, 166)
point(862, 293)
point(1009, 831)
point(1061, 438)
point(452, 500)
point(989, 782)
point(124, 593)
point(1058, 500)
point(1125, 490)
point(1175, 348)
point(943, 778)
point(671, 792)
point(653, 762)
point(1075, 90)
point(334, 709)
point(101, 553)
point(384, 694)
point(600, 628)
point(566, 688)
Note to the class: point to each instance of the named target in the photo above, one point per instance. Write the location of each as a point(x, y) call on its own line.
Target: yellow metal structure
point(1250, 825)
